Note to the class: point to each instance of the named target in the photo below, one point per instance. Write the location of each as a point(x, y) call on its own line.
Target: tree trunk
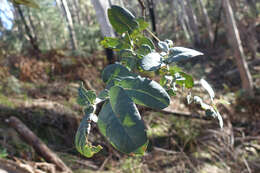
point(31, 24)
point(252, 5)
point(190, 22)
point(28, 31)
point(207, 21)
point(78, 12)
point(235, 42)
point(181, 19)
point(44, 27)
point(151, 13)
point(193, 22)
point(101, 7)
point(67, 14)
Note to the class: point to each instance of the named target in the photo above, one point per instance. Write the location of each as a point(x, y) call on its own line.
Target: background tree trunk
point(28, 31)
point(190, 21)
point(151, 7)
point(181, 19)
point(193, 22)
point(235, 42)
point(101, 7)
point(67, 14)
point(207, 21)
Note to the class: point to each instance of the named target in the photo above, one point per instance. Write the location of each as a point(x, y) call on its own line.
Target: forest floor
point(41, 91)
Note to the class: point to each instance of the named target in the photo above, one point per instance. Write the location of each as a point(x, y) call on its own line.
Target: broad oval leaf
point(208, 88)
point(121, 19)
point(181, 53)
point(142, 23)
point(115, 70)
point(85, 97)
point(144, 50)
point(110, 42)
point(120, 121)
point(145, 92)
point(151, 61)
point(126, 53)
point(145, 40)
point(188, 80)
point(81, 142)
point(163, 46)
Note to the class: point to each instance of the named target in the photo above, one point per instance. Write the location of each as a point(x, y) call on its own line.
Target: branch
point(31, 139)
point(142, 6)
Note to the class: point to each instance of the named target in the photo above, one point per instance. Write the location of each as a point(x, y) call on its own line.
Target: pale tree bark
point(235, 43)
point(207, 21)
point(64, 6)
point(101, 7)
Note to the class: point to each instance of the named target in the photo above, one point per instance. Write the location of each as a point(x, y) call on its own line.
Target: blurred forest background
point(45, 52)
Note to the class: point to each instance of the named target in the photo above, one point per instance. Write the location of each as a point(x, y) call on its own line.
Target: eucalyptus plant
point(119, 120)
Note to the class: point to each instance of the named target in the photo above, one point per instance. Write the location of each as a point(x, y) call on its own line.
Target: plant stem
point(152, 34)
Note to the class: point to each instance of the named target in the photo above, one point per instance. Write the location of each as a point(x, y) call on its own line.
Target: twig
point(87, 164)
point(165, 151)
point(31, 139)
point(247, 166)
point(105, 162)
point(152, 34)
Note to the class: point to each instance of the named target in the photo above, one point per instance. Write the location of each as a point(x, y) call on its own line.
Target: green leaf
point(127, 39)
point(151, 61)
point(129, 63)
point(126, 53)
point(208, 88)
point(163, 46)
point(144, 50)
point(180, 53)
point(115, 70)
point(145, 40)
point(163, 81)
point(121, 19)
point(120, 122)
point(110, 42)
point(171, 92)
point(85, 97)
point(81, 142)
point(103, 94)
point(145, 92)
point(142, 24)
point(188, 82)
point(170, 43)
point(28, 3)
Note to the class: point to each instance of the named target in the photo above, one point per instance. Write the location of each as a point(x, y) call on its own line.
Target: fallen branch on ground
point(30, 138)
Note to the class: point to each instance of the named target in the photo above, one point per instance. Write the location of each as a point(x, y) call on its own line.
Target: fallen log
point(29, 137)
